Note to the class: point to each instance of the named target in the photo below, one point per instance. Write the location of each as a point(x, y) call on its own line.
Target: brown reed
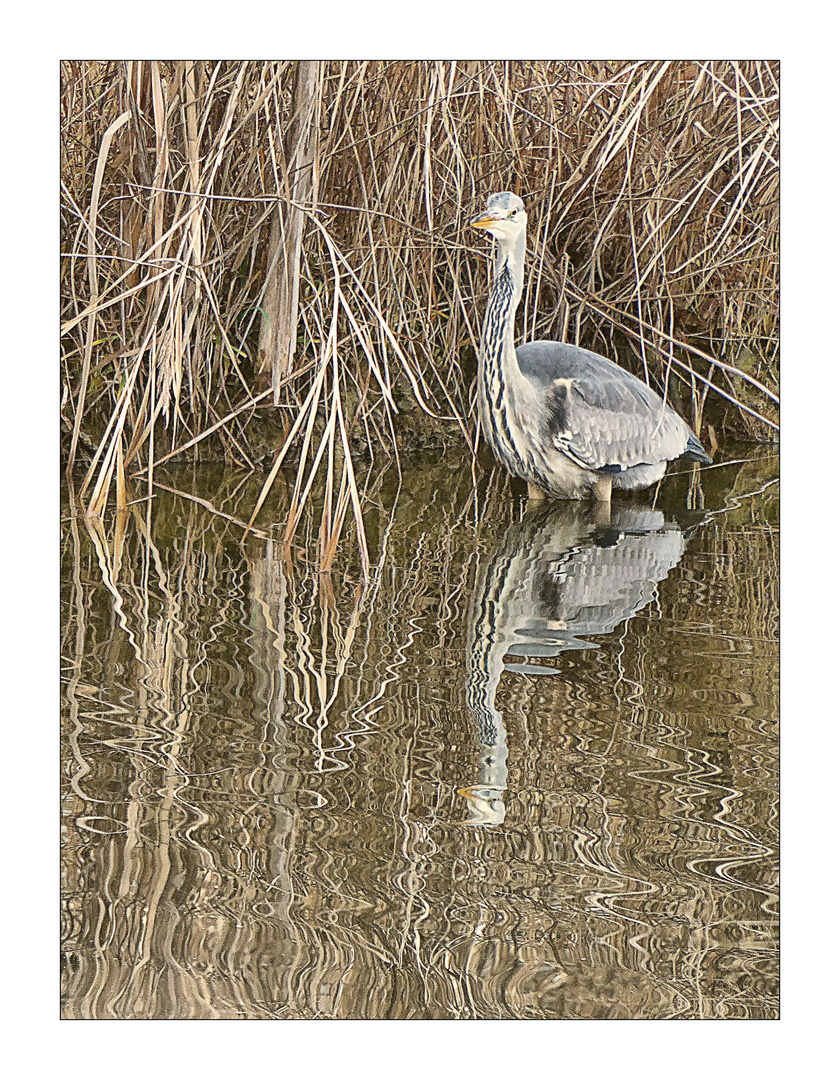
point(234, 232)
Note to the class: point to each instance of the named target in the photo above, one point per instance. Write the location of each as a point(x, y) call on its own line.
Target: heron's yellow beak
point(484, 220)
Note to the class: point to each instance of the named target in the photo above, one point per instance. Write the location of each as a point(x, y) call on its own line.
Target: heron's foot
point(535, 493)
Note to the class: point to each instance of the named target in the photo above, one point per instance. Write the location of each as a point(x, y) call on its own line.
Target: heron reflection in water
point(568, 421)
point(560, 573)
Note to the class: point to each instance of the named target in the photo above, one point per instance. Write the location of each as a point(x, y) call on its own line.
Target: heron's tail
point(694, 450)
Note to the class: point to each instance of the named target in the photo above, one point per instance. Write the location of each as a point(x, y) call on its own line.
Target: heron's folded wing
point(613, 422)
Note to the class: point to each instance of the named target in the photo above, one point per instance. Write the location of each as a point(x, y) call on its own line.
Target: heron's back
point(545, 361)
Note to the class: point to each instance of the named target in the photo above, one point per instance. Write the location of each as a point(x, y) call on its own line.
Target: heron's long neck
point(497, 357)
point(497, 333)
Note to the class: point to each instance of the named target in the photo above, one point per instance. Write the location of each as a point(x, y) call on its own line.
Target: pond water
point(529, 772)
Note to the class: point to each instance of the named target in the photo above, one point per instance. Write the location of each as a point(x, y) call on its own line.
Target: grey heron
point(568, 421)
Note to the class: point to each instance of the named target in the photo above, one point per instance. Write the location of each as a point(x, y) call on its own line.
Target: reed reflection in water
point(262, 764)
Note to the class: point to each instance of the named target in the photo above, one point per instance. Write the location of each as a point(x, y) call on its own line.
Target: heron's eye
point(512, 213)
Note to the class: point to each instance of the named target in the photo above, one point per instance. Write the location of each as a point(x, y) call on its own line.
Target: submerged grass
point(240, 234)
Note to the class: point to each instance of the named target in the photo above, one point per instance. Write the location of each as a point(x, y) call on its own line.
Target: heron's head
point(504, 217)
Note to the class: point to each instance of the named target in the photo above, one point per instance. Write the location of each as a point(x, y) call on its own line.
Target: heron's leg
point(535, 492)
point(603, 489)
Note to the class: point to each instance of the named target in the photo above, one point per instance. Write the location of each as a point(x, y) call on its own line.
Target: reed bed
point(292, 234)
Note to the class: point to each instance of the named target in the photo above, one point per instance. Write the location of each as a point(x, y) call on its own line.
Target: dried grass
point(232, 230)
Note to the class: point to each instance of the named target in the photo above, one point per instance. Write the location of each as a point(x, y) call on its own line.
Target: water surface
point(530, 771)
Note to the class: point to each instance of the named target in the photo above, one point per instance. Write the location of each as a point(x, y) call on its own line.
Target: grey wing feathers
point(600, 415)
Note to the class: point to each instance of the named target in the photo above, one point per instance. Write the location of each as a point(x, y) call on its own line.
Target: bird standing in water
point(568, 421)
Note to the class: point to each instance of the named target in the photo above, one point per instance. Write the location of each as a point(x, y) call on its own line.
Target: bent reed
point(294, 233)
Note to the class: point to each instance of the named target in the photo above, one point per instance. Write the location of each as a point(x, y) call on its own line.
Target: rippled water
point(530, 772)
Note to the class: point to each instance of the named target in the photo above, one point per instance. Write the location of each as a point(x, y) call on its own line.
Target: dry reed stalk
point(222, 215)
point(278, 329)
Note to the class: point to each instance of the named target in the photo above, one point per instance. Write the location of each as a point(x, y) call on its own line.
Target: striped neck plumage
point(497, 337)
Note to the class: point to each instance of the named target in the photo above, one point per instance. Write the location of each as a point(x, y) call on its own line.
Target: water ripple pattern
point(529, 772)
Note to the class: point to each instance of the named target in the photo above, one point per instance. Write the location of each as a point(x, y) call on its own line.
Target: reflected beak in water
point(485, 805)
